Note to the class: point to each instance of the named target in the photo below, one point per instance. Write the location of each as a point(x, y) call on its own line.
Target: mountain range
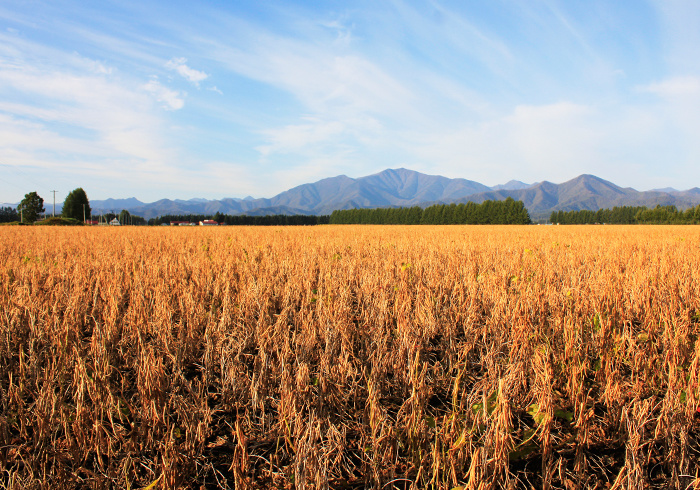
point(402, 188)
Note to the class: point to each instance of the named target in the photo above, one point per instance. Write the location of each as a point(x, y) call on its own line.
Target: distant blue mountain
point(512, 185)
point(114, 205)
point(402, 187)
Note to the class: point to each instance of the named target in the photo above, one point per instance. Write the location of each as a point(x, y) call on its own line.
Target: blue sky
point(176, 99)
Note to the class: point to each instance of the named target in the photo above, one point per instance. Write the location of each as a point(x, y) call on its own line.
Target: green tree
point(137, 220)
point(76, 205)
point(8, 214)
point(31, 206)
point(124, 217)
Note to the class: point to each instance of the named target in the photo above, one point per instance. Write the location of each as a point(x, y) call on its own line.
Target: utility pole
point(83, 213)
point(54, 203)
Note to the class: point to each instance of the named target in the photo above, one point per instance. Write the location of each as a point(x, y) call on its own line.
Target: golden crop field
point(350, 357)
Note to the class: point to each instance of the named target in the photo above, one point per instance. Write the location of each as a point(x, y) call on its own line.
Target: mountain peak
point(511, 185)
point(402, 187)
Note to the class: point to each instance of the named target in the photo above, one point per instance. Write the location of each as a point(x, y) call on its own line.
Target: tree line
point(76, 206)
point(8, 214)
point(28, 211)
point(244, 220)
point(628, 215)
point(507, 212)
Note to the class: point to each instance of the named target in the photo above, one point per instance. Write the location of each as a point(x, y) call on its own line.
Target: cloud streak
point(189, 74)
point(170, 99)
point(486, 91)
point(78, 120)
point(674, 87)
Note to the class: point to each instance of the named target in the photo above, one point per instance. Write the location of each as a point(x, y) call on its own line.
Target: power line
point(16, 170)
point(20, 174)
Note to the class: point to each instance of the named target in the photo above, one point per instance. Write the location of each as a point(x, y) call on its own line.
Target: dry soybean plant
point(350, 357)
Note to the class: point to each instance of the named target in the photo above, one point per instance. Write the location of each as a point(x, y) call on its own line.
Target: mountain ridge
point(404, 188)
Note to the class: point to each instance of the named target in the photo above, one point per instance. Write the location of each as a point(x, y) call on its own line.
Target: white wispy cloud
point(189, 74)
point(79, 119)
point(298, 138)
point(170, 99)
point(344, 95)
point(629, 144)
point(325, 82)
point(543, 90)
point(685, 86)
point(675, 105)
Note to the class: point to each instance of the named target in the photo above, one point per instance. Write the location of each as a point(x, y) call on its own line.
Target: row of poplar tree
point(507, 212)
point(628, 215)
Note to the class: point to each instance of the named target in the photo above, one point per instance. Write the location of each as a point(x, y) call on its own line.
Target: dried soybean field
point(350, 357)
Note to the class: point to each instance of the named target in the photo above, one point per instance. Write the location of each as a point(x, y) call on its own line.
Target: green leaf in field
point(526, 447)
point(490, 404)
point(153, 484)
point(523, 452)
point(534, 411)
point(539, 416)
point(564, 415)
point(528, 434)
